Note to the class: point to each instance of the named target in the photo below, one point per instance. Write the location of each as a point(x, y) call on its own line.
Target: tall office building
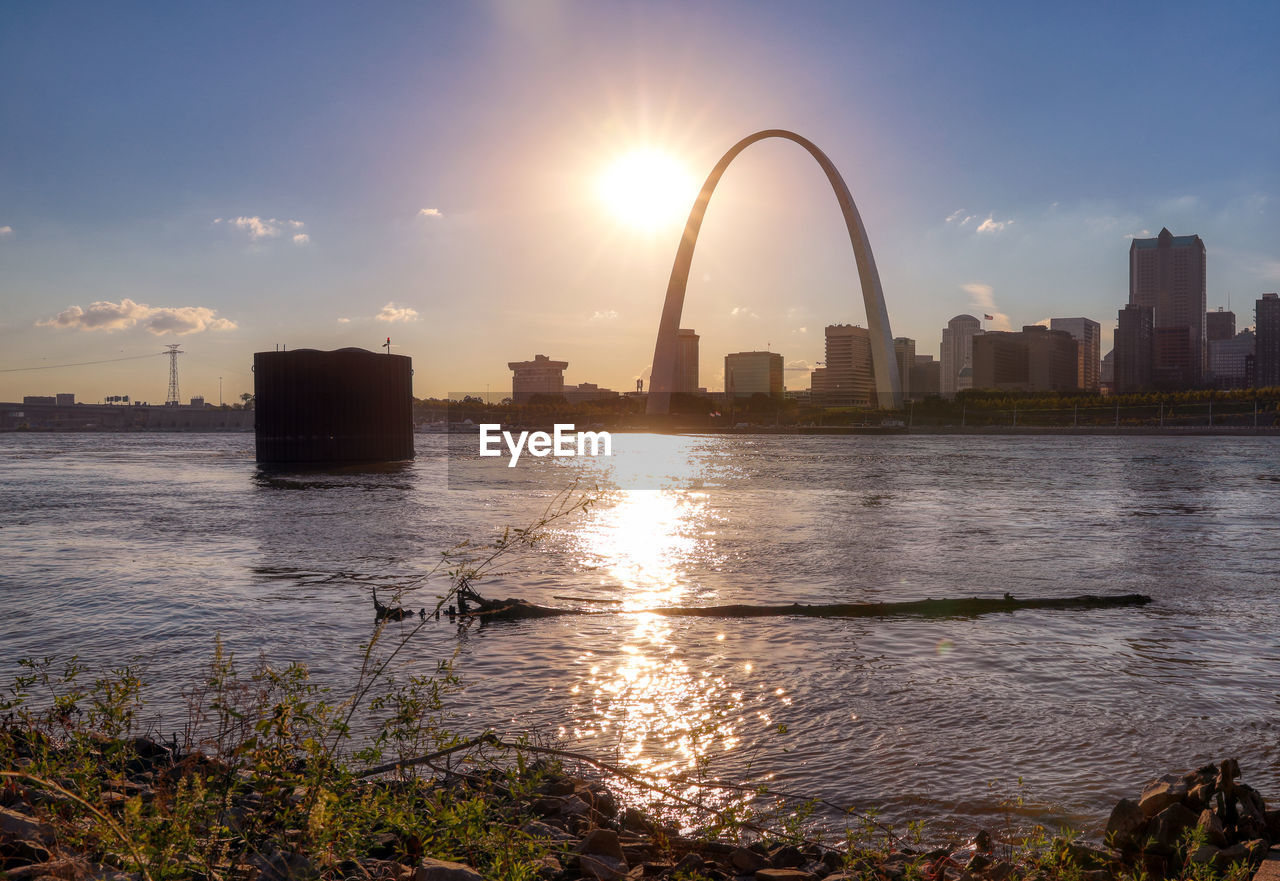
point(541, 376)
point(1134, 342)
point(1167, 275)
point(1267, 360)
point(749, 373)
point(1088, 336)
point(957, 354)
point(847, 379)
point(1220, 325)
point(1036, 360)
point(686, 376)
point(904, 352)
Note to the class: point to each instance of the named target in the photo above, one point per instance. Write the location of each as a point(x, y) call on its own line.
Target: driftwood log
point(521, 610)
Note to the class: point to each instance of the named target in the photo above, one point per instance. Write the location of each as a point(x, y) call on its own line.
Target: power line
point(80, 363)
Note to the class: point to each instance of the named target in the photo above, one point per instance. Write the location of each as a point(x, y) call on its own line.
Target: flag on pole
point(988, 318)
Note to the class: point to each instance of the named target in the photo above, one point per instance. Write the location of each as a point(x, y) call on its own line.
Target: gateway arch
point(888, 383)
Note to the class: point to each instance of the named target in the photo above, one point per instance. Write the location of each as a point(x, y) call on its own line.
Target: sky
point(234, 177)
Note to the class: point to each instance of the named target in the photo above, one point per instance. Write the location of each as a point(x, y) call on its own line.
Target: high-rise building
point(1035, 360)
point(1229, 359)
point(847, 380)
point(925, 374)
point(1167, 275)
point(1267, 320)
point(1134, 342)
point(749, 373)
point(1088, 336)
point(957, 354)
point(541, 376)
point(1220, 325)
point(1107, 375)
point(904, 352)
point(686, 376)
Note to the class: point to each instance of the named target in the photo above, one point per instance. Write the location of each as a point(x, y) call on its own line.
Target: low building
point(1229, 359)
point(926, 378)
point(586, 392)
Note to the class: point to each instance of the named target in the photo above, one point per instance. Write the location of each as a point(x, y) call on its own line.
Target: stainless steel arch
point(888, 383)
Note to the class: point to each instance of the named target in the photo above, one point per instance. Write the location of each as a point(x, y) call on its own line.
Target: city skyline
point(359, 178)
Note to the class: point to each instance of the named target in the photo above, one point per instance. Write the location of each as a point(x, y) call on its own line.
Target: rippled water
point(122, 545)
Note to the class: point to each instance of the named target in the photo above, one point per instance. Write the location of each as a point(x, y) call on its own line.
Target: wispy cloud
point(430, 212)
point(344, 320)
point(258, 228)
point(960, 217)
point(1141, 234)
point(799, 365)
point(984, 299)
point(742, 312)
point(6, 230)
point(991, 225)
point(159, 320)
point(608, 315)
point(391, 313)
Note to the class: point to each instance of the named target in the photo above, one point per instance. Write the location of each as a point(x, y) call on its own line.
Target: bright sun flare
point(647, 189)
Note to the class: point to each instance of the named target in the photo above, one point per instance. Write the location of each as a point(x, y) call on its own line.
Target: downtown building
point(904, 352)
point(1267, 328)
point(956, 371)
point(1088, 336)
point(1167, 275)
point(541, 376)
point(847, 380)
point(685, 380)
point(1036, 359)
point(750, 373)
point(1134, 340)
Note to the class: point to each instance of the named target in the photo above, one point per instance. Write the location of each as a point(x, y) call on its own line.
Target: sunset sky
point(232, 177)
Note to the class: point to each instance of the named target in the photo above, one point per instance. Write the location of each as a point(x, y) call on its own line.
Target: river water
point(147, 545)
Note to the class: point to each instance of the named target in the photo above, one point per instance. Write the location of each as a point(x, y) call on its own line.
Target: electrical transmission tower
point(171, 400)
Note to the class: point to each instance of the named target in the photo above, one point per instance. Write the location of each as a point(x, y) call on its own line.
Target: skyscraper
point(1037, 359)
point(957, 354)
point(1167, 275)
point(1134, 342)
point(686, 375)
point(1220, 325)
point(904, 351)
point(1088, 337)
point(1267, 316)
point(749, 373)
point(847, 379)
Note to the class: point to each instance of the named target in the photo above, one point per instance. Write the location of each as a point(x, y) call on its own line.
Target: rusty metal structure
point(345, 406)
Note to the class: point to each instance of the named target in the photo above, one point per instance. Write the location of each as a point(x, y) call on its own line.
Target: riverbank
point(90, 806)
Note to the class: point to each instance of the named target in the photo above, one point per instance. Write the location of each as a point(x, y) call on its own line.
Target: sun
point(647, 189)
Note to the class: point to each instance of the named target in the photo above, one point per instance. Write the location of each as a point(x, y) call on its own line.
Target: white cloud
point(802, 330)
point(259, 228)
point(392, 313)
point(302, 239)
point(960, 218)
point(798, 365)
point(984, 299)
point(742, 312)
point(344, 320)
point(430, 212)
point(159, 320)
point(993, 225)
point(6, 230)
point(1144, 234)
point(609, 315)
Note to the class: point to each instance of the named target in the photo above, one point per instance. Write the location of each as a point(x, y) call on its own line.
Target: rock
point(1204, 855)
point(1126, 827)
point(574, 807)
point(15, 826)
point(1167, 827)
point(690, 862)
point(1200, 796)
point(429, 869)
point(784, 875)
point(1088, 857)
point(1272, 820)
point(547, 866)
point(281, 866)
point(1212, 828)
point(999, 871)
point(1095, 875)
point(1257, 850)
point(22, 853)
point(1229, 856)
point(788, 856)
point(602, 842)
point(601, 867)
point(977, 863)
point(635, 821)
point(747, 861)
point(545, 831)
point(1160, 794)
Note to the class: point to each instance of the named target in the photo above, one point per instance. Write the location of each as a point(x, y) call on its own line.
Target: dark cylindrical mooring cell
point(351, 405)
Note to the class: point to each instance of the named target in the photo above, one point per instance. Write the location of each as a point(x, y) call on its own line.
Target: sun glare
point(647, 189)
